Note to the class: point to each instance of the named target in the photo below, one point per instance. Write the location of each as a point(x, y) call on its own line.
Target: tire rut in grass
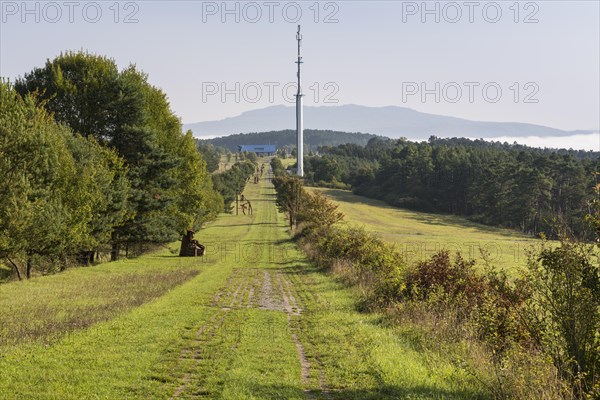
point(194, 350)
point(280, 290)
point(293, 284)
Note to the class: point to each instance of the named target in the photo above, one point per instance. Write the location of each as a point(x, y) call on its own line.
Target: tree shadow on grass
point(247, 224)
point(383, 392)
point(284, 241)
point(6, 273)
point(422, 217)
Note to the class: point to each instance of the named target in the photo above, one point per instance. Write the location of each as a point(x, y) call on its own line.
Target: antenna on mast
point(299, 116)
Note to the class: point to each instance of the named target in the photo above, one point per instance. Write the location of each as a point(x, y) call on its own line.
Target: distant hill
point(312, 139)
point(391, 121)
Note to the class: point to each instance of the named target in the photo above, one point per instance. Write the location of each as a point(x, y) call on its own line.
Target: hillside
point(419, 235)
point(312, 139)
point(391, 121)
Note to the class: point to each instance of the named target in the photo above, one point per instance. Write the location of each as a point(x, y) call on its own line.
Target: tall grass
point(43, 310)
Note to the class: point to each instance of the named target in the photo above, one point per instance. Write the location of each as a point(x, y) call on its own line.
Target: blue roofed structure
point(259, 149)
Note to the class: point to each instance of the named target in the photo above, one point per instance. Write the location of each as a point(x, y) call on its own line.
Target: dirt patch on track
point(271, 289)
point(258, 288)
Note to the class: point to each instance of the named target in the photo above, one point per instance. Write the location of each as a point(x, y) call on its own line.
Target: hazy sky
point(543, 56)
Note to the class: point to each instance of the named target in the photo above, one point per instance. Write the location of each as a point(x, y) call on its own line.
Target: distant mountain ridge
point(390, 121)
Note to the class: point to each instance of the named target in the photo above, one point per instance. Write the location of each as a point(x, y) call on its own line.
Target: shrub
point(317, 212)
point(488, 301)
point(369, 263)
point(277, 166)
point(497, 317)
point(563, 313)
point(457, 279)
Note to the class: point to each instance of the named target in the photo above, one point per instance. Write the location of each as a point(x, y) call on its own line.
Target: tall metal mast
point(299, 116)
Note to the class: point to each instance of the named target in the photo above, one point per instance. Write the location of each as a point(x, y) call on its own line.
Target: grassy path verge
point(256, 322)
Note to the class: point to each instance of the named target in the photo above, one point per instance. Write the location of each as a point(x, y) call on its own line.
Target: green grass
point(360, 358)
point(243, 327)
point(43, 310)
point(288, 162)
point(420, 235)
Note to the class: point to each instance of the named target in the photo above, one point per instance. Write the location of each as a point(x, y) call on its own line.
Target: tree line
point(286, 139)
point(92, 157)
point(493, 183)
point(232, 182)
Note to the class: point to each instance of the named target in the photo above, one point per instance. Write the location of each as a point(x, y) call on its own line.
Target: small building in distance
point(261, 150)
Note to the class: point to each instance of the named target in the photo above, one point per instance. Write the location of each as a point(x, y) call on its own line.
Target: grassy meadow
point(419, 235)
point(44, 309)
point(287, 162)
point(253, 319)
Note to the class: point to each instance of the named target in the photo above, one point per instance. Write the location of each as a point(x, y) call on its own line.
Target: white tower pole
point(299, 115)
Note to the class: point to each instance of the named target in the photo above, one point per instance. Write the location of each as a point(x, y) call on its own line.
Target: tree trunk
point(16, 268)
point(114, 253)
point(116, 246)
point(29, 267)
